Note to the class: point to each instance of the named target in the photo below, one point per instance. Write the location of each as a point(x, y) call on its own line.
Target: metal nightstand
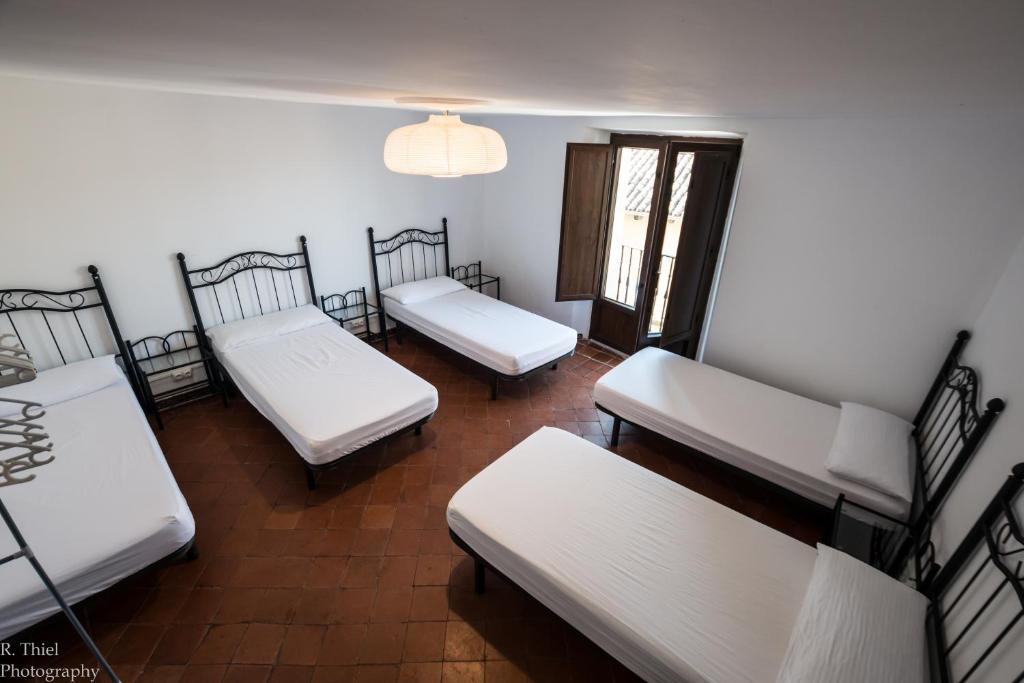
point(353, 312)
point(472, 276)
point(181, 351)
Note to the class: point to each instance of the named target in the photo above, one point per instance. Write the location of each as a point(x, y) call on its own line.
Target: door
point(677, 323)
point(642, 225)
point(620, 307)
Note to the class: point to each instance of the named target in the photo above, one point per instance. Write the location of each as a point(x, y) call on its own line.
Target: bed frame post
point(310, 478)
point(118, 340)
point(962, 337)
point(479, 578)
point(447, 259)
point(309, 270)
point(494, 386)
point(200, 328)
point(366, 314)
point(381, 318)
point(616, 426)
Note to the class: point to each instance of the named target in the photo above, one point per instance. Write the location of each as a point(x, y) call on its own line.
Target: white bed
point(105, 508)
point(502, 337)
point(328, 392)
point(672, 584)
point(776, 435)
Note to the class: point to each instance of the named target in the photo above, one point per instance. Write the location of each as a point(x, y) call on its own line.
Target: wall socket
point(181, 375)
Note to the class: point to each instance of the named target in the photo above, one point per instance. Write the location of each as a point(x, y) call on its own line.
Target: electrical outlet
point(181, 375)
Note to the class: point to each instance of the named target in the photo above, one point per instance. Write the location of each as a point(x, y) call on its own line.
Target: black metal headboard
point(978, 596)
point(258, 294)
point(400, 259)
point(62, 340)
point(949, 428)
point(396, 258)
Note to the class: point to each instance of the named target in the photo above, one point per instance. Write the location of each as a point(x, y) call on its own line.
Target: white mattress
point(328, 392)
point(674, 585)
point(105, 508)
point(491, 332)
point(771, 433)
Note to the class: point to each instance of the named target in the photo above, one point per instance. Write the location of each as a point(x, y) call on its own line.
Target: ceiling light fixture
point(444, 146)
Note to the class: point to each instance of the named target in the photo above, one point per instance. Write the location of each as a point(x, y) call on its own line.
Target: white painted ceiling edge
point(744, 58)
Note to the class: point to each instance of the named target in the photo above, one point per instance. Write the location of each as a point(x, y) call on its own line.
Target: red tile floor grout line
point(358, 580)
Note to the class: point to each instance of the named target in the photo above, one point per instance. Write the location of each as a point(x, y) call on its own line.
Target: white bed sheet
point(328, 392)
point(491, 332)
point(774, 434)
point(674, 585)
point(105, 508)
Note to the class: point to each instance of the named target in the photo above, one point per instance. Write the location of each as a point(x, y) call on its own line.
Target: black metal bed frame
point(948, 430)
point(24, 301)
point(391, 247)
point(982, 561)
point(226, 272)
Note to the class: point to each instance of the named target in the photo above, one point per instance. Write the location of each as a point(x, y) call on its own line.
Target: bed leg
point(419, 430)
point(223, 393)
point(494, 387)
point(554, 366)
point(616, 426)
point(479, 582)
point(193, 553)
point(398, 332)
point(311, 479)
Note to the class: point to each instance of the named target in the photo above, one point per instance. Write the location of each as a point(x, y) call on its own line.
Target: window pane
point(670, 244)
point(630, 218)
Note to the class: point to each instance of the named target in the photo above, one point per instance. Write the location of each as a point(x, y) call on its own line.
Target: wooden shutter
point(584, 217)
point(703, 223)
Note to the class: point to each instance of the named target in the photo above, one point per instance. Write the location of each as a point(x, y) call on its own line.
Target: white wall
point(126, 178)
point(858, 246)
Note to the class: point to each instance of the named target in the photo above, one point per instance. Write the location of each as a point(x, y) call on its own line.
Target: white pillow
point(873, 448)
point(63, 384)
point(241, 332)
point(421, 290)
point(855, 625)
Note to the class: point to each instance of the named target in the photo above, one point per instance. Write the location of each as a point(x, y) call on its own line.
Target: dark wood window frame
point(599, 194)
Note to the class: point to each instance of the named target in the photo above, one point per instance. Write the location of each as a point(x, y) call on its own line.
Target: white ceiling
point(689, 57)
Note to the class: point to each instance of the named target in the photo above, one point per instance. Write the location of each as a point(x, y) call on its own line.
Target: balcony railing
point(665, 270)
point(622, 287)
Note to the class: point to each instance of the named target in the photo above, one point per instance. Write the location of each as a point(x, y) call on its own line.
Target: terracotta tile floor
point(358, 580)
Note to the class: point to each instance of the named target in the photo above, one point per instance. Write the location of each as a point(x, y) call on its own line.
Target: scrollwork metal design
point(1005, 543)
point(408, 236)
point(14, 300)
point(240, 263)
